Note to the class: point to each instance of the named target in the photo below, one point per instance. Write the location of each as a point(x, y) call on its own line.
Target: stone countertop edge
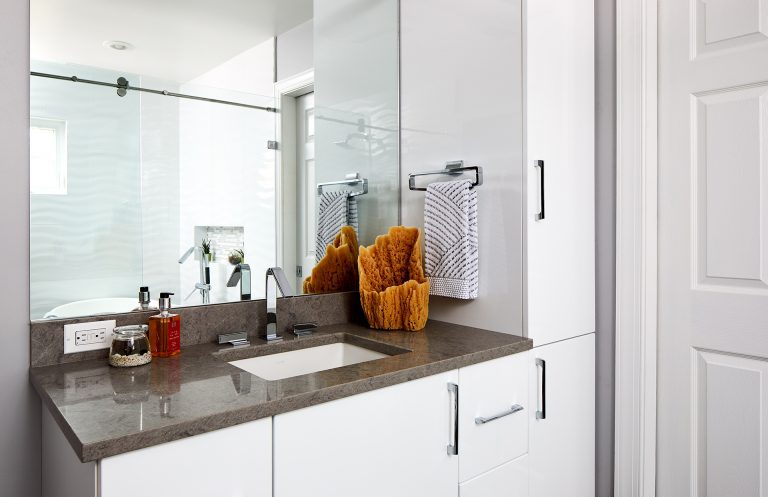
point(99, 449)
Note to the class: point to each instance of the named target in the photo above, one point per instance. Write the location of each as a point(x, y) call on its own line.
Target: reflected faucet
point(242, 274)
point(275, 279)
point(204, 285)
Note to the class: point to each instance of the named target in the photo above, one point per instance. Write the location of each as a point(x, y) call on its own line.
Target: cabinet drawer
point(508, 480)
point(493, 429)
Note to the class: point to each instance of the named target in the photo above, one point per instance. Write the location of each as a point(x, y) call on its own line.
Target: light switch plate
point(82, 337)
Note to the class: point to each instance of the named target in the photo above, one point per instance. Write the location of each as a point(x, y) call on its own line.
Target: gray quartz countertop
point(105, 411)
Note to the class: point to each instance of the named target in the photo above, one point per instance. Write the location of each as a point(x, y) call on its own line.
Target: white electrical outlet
point(81, 337)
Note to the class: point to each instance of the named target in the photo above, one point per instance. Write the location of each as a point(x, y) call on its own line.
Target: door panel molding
point(636, 248)
point(729, 165)
point(728, 390)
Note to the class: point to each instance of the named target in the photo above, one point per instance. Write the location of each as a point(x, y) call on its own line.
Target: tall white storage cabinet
point(509, 85)
point(560, 245)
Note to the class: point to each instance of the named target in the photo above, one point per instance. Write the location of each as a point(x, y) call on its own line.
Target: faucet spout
point(276, 279)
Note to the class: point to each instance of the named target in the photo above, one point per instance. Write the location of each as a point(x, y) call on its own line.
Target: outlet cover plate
point(81, 337)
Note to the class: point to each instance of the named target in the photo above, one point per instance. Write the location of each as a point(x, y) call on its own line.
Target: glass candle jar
point(130, 346)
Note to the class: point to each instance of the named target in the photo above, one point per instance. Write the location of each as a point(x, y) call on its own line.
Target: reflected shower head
point(187, 254)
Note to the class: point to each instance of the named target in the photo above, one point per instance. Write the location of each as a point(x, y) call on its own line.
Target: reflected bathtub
point(90, 307)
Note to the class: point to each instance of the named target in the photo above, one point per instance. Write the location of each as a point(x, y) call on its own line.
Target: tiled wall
point(224, 239)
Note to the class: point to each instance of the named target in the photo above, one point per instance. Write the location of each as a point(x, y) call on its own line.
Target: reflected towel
point(450, 239)
point(336, 210)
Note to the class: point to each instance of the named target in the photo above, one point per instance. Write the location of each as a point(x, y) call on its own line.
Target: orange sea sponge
point(337, 270)
point(394, 293)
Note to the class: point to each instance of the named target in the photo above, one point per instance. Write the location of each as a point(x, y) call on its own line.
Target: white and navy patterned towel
point(336, 210)
point(450, 239)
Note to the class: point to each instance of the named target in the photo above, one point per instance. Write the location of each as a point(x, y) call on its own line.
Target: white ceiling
point(175, 40)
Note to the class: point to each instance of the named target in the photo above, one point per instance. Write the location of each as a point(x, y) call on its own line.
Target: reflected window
point(48, 156)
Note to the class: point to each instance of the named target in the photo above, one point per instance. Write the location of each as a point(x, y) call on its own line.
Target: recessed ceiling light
point(120, 46)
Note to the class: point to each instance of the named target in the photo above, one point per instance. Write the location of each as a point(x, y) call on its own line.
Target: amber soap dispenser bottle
point(165, 329)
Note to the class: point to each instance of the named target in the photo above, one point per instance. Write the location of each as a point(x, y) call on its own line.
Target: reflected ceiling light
point(120, 46)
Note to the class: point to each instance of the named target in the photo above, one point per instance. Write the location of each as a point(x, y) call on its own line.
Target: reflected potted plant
point(236, 257)
point(206, 246)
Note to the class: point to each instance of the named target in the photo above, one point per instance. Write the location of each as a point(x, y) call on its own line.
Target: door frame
point(286, 92)
point(636, 247)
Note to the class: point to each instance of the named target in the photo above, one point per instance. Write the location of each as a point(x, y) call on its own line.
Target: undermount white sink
point(305, 361)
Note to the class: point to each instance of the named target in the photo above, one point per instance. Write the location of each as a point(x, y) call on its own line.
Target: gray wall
point(19, 406)
point(605, 221)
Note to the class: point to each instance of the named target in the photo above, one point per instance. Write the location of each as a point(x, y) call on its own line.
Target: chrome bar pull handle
point(542, 413)
point(480, 420)
point(540, 215)
point(453, 445)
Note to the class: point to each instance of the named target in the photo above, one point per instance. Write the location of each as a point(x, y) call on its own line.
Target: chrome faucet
point(241, 274)
point(275, 280)
point(204, 285)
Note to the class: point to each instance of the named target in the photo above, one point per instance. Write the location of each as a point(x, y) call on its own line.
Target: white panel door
point(306, 187)
point(383, 443)
point(559, 167)
point(231, 462)
point(713, 248)
point(562, 419)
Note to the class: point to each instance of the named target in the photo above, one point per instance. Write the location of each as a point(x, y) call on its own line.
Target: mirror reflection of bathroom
point(169, 156)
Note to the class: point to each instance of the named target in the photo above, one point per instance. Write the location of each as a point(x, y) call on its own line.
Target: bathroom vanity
point(454, 410)
point(440, 412)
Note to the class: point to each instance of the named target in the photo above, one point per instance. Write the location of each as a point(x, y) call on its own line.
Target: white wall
point(461, 93)
point(20, 406)
point(295, 52)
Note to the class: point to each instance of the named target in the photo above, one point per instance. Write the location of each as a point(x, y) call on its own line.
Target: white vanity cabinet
point(462, 432)
point(493, 414)
point(391, 441)
point(562, 419)
point(493, 428)
point(395, 441)
point(231, 462)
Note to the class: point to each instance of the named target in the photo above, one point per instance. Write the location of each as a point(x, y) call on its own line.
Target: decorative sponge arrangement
point(394, 293)
point(337, 270)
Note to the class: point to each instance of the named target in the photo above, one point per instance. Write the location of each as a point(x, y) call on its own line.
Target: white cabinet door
point(493, 417)
point(232, 462)
point(562, 419)
point(507, 480)
point(559, 73)
point(383, 443)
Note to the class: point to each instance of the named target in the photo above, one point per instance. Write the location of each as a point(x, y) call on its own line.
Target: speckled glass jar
point(130, 346)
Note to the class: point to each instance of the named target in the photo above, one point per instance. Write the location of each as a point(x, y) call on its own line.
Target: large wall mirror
point(180, 145)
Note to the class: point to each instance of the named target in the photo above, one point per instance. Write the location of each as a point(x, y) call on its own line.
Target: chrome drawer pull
point(515, 408)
